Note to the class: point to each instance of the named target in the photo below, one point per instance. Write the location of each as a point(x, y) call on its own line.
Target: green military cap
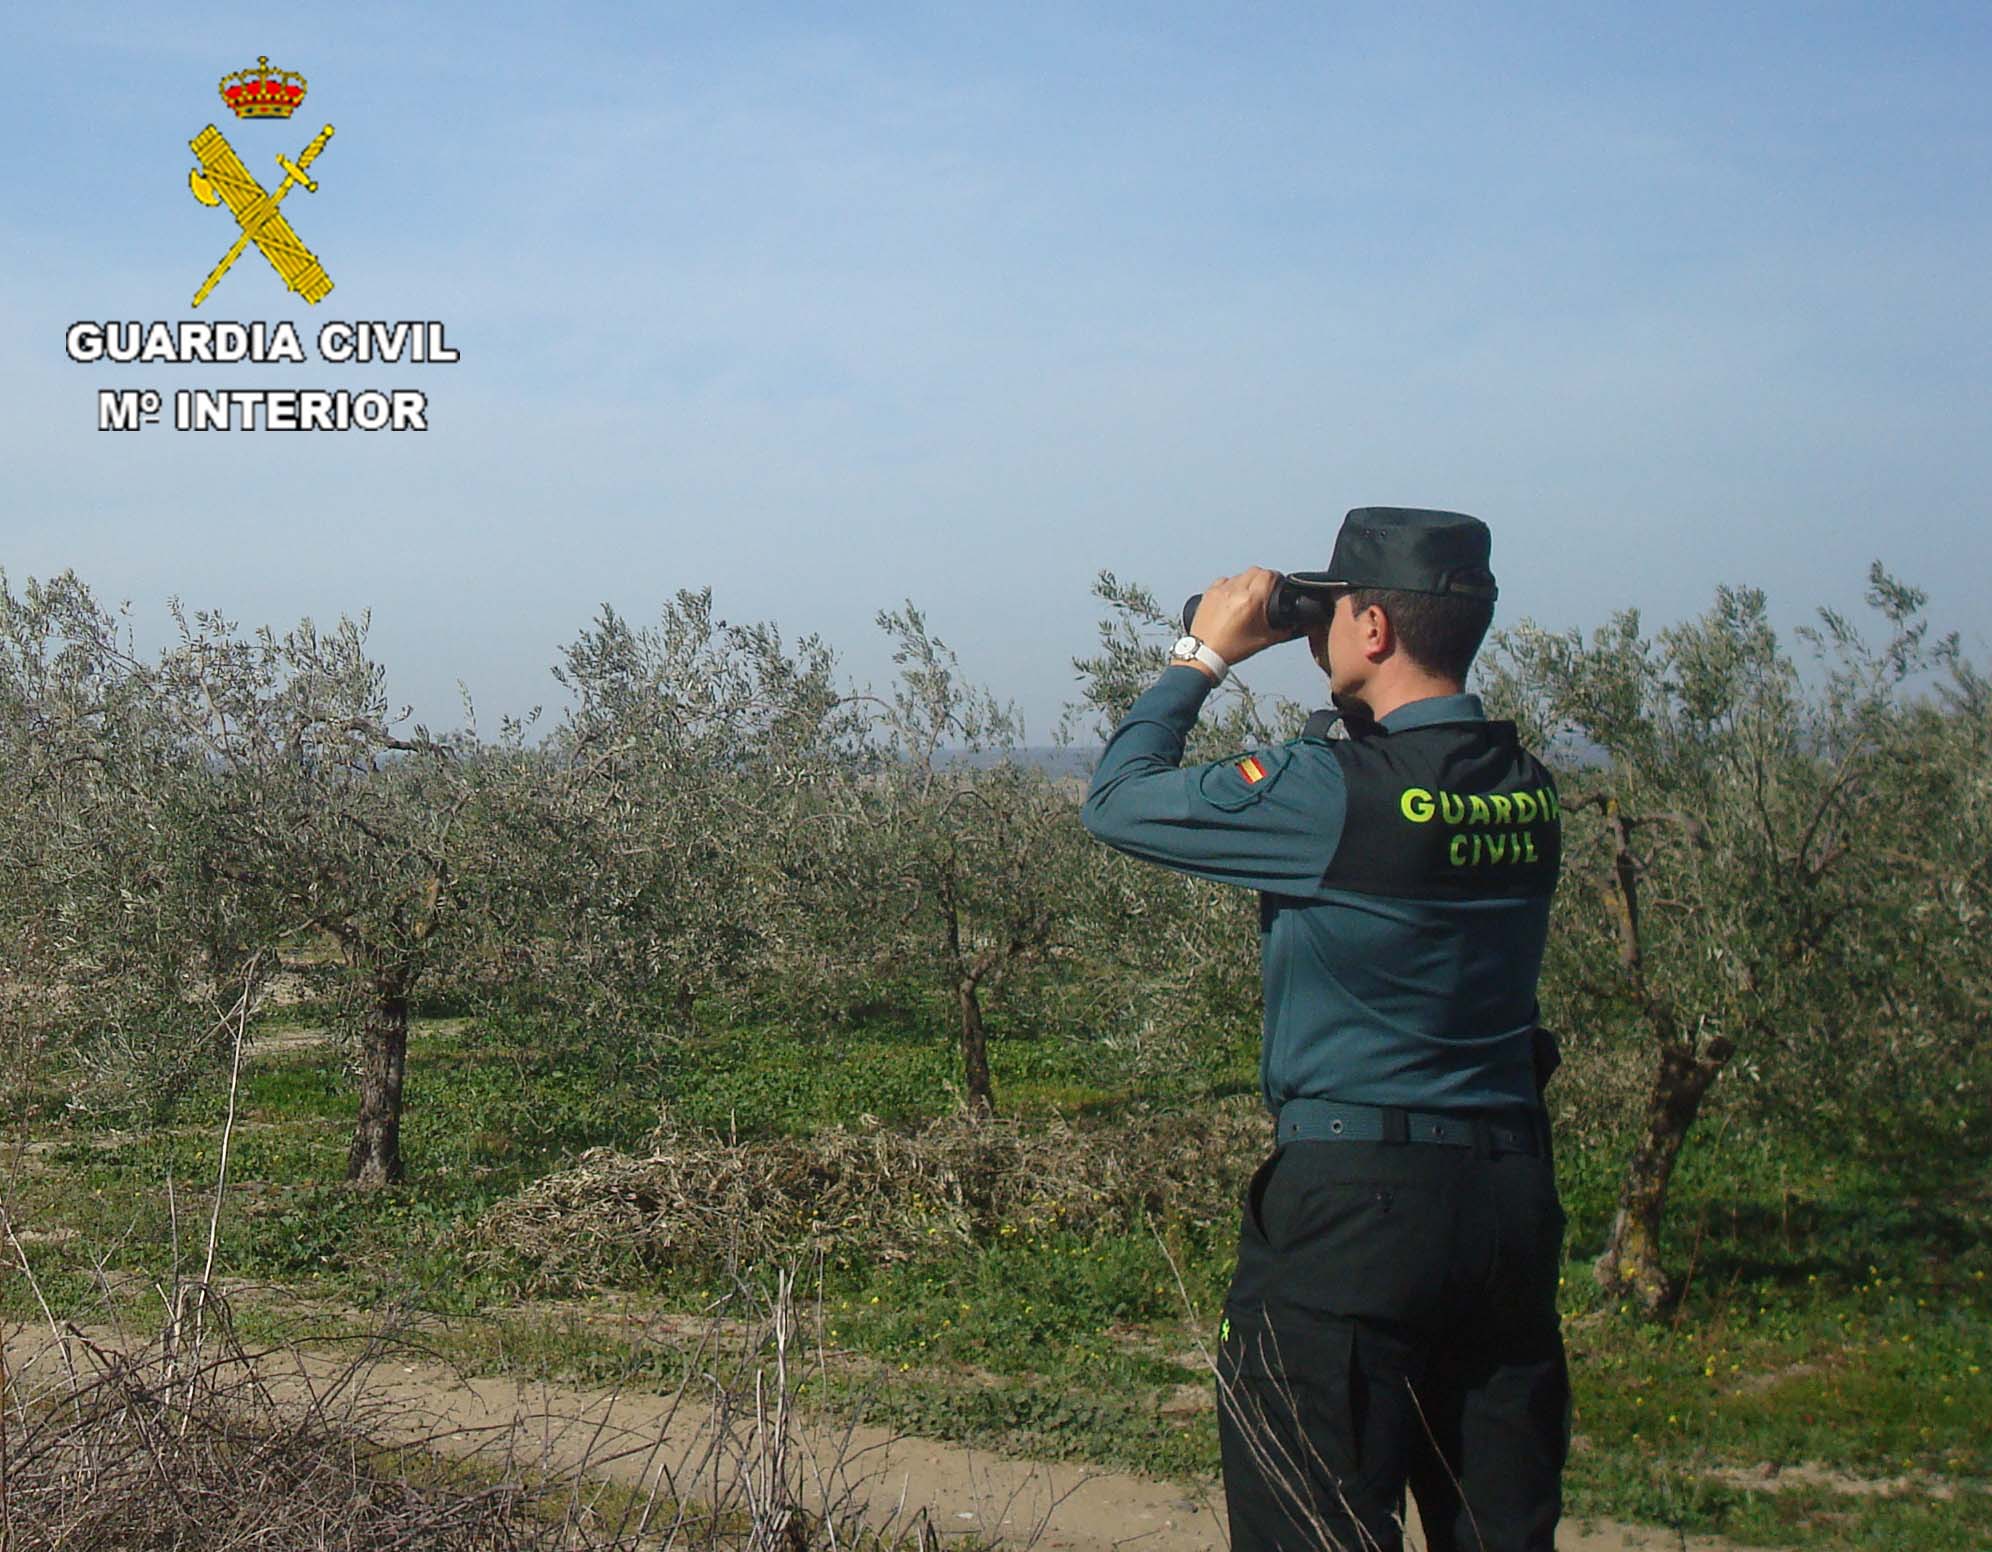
point(1409, 550)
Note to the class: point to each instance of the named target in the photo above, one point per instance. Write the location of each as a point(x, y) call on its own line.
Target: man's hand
point(1231, 620)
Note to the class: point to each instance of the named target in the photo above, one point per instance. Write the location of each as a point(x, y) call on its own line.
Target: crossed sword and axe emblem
point(221, 176)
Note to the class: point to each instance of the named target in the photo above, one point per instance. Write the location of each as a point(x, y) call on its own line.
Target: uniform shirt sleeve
point(1270, 820)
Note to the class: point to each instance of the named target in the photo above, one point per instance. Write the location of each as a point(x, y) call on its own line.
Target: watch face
point(1186, 646)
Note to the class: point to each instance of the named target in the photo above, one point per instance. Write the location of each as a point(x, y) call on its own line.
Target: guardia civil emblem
point(257, 94)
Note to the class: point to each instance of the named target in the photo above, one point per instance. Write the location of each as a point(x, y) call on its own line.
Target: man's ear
point(1376, 633)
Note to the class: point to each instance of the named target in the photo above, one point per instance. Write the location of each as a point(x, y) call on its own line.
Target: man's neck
point(1402, 689)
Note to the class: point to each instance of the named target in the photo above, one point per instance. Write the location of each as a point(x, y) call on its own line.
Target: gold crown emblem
point(263, 93)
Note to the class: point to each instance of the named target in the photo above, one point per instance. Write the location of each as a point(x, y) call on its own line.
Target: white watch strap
point(1205, 655)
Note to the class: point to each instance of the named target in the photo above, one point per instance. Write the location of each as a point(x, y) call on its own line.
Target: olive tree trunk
point(1631, 1263)
point(974, 1048)
point(375, 1159)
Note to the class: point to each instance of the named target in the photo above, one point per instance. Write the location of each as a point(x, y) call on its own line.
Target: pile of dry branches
point(142, 1448)
point(699, 1200)
point(109, 1444)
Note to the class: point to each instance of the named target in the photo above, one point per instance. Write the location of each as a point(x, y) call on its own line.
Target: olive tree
point(123, 942)
point(663, 848)
point(1944, 776)
point(326, 818)
point(196, 812)
point(1723, 816)
point(959, 860)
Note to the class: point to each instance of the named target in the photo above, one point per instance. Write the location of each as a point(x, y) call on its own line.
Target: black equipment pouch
point(1547, 1057)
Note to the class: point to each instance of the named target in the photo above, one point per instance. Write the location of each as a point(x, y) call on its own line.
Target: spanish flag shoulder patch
point(1251, 770)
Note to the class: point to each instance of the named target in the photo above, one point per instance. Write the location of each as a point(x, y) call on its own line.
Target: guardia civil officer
point(1393, 1315)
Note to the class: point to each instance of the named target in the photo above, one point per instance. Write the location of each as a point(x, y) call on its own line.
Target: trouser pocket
point(1309, 1432)
point(1255, 1195)
point(1501, 1424)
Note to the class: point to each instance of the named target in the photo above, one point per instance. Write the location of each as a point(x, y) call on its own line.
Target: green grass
point(1839, 1316)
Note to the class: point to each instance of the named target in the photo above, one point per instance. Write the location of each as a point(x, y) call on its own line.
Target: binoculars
point(1288, 607)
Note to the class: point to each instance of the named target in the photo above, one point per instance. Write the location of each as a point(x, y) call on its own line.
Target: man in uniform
point(1393, 1315)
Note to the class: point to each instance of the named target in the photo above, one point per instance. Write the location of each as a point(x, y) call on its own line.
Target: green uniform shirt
point(1369, 999)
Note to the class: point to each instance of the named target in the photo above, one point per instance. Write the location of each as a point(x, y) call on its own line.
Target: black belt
point(1330, 1120)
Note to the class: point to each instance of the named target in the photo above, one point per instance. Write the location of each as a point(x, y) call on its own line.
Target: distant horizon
point(1278, 673)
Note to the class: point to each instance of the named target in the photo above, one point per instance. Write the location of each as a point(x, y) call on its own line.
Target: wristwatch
point(1191, 647)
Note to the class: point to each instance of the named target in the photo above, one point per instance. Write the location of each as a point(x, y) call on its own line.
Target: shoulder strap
point(1322, 723)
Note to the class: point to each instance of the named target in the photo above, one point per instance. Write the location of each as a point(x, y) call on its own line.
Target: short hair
point(1439, 631)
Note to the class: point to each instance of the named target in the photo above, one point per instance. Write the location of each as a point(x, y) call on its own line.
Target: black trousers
point(1393, 1322)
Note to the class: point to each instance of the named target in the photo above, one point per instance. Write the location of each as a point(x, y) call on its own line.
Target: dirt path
point(646, 1440)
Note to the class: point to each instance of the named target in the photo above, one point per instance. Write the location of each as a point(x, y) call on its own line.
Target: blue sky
point(829, 307)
